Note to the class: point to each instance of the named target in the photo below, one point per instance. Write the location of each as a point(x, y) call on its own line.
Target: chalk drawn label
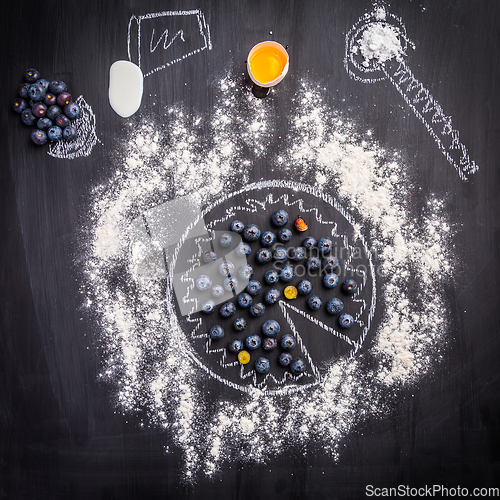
point(365, 65)
point(156, 41)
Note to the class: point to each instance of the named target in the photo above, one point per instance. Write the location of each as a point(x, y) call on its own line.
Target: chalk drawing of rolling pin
point(375, 49)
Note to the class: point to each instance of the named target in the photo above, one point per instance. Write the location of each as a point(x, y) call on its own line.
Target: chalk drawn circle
point(319, 339)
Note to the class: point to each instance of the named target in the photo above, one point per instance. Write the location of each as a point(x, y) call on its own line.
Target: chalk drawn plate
point(320, 341)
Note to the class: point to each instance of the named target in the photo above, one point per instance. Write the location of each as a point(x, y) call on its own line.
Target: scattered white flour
point(379, 41)
point(152, 373)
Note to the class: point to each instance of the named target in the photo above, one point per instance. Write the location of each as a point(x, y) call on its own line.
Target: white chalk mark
point(164, 36)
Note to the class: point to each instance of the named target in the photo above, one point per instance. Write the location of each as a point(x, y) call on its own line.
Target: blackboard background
point(59, 435)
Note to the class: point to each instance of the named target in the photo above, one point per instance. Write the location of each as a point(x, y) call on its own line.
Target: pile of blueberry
point(48, 106)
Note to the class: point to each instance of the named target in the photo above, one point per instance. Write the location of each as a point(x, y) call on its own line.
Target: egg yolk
point(267, 64)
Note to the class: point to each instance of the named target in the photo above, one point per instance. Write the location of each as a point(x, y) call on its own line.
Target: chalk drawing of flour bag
point(159, 40)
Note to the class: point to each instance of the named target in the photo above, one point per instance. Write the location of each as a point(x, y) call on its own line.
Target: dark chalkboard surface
point(62, 434)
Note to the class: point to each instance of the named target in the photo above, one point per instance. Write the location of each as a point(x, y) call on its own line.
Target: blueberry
point(239, 324)
point(39, 137)
point(285, 358)
point(330, 280)
point(208, 306)
point(304, 287)
point(209, 256)
point(257, 309)
point(325, 245)
point(62, 99)
point(268, 239)
point(44, 83)
point(44, 123)
point(313, 263)
point(254, 287)
point(54, 133)
point(36, 92)
point(243, 249)
point(253, 342)
point(346, 320)
point(309, 242)
point(203, 282)
point(251, 232)
point(334, 306)
point(297, 254)
point(237, 226)
point(226, 268)
point(262, 365)
point(62, 121)
point(264, 255)
point(71, 109)
point(284, 235)
point(19, 105)
point(39, 110)
point(230, 284)
point(216, 332)
point(217, 291)
point(297, 366)
point(287, 342)
point(287, 274)
point(269, 344)
point(272, 296)
point(280, 254)
point(350, 286)
point(27, 117)
point(56, 87)
point(246, 271)
point(50, 99)
point(225, 240)
point(330, 264)
point(271, 328)
point(53, 112)
point(227, 309)
point(235, 345)
point(244, 300)
point(314, 303)
point(280, 218)
point(69, 133)
point(31, 75)
point(24, 91)
point(271, 277)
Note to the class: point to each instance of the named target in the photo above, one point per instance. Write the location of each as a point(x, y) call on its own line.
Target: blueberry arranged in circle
point(246, 271)
point(350, 286)
point(227, 309)
point(56, 87)
point(334, 306)
point(24, 91)
point(287, 342)
point(257, 309)
point(43, 123)
point(39, 109)
point(239, 324)
point(253, 342)
point(314, 303)
point(69, 132)
point(330, 280)
point(226, 268)
point(297, 366)
point(230, 284)
point(237, 226)
point(251, 232)
point(269, 344)
point(297, 254)
point(225, 240)
point(280, 218)
point(268, 239)
point(330, 264)
point(19, 105)
point(280, 254)
point(54, 133)
point(264, 255)
point(50, 99)
point(325, 245)
point(243, 249)
point(271, 328)
point(284, 235)
point(62, 121)
point(262, 365)
point(272, 296)
point(203, 282)
point(39, 137)
point(235, 346)
point(271, 277)
point(208, 306)
point(217, 291)
point(44, 83)
point(287, 274)
point(346, 320)
point(209, 256)
point(216, 332)
point(62, 99)
point(285, 359)
point(27, 117)
point(309, 242)
point(53, 112)
point(31, 75)
point(72, 110)
point(304, 287)
point(313, 263)
point(36, 92)
point(254, 287)
point(244, 300)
